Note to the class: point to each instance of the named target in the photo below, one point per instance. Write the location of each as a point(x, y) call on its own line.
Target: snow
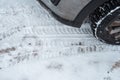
point(35, 46)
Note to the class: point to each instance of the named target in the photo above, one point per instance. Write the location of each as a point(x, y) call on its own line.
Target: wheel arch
point(83, 14)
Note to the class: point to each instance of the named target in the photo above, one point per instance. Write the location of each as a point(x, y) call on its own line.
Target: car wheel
point(105, 22)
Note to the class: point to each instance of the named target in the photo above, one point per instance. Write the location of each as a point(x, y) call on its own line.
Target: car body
point(71, 12)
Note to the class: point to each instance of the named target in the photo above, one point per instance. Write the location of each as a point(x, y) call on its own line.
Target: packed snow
point(81, 67)
point(35, 46)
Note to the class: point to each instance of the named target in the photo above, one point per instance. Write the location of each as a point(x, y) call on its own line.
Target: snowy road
point(34, 46)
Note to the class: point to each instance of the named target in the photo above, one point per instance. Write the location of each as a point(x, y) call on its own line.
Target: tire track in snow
point(59, 30)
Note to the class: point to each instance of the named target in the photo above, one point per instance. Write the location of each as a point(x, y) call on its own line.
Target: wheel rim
point(114, 29)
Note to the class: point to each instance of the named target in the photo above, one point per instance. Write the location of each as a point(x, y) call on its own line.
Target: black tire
point(102, 20)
